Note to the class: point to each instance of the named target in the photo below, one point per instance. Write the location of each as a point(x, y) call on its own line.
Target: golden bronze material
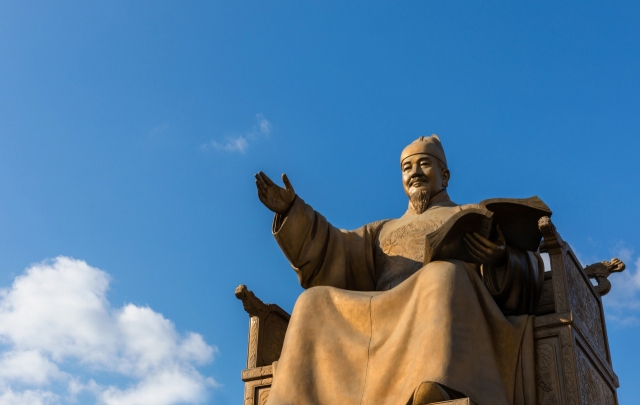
point(383, 324)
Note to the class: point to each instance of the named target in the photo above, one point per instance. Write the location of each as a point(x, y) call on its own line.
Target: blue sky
point(130, 133)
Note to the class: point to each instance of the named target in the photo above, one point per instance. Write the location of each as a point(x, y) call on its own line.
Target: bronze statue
point(379, 326)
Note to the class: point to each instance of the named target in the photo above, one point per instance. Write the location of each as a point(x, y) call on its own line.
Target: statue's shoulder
point(377, 225)
point(374, 228)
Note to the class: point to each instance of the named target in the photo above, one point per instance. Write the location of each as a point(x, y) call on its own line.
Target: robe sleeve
point(517, 285)
point(322, 254)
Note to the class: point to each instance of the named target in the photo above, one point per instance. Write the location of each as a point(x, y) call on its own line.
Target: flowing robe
point(375, 322)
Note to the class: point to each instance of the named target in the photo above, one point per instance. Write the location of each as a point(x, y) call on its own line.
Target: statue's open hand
point(485, 251)
point(274, 197)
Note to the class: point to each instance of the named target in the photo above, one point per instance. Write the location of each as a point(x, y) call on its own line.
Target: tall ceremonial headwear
point(429, 145)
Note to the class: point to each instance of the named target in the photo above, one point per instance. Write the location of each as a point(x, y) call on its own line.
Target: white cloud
point(264, 126)
point(240, 143)
point(622, 304)
point(623, 252)
point(27, 397)
point(29, 367)
point(58, 331)
point(170, 386)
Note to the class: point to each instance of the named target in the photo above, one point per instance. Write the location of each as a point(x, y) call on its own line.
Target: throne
point(573, 362)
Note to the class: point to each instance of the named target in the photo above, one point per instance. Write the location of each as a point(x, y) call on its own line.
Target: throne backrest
point(573, 361)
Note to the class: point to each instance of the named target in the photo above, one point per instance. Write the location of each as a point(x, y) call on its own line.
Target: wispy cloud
point(61, 338)
point(264, 126)
point(158, 129)
point(622, 304)
point(240, 143)
point(237, 144)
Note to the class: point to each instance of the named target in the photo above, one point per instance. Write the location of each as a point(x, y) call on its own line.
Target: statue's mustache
point(417, 177)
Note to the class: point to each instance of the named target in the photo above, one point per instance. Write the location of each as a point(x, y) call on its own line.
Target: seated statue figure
point(378, 326)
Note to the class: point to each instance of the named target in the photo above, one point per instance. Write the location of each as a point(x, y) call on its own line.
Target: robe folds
point(375, 322)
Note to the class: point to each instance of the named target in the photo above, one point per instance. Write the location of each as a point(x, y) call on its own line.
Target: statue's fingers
point(266, 179)
point(474, 251)
point(472, 239)
point(477, 258)
point(287, 183)
point(260, 183)
point(480, 258)
point(262, 196)
point(484, 241)
point(470, 245)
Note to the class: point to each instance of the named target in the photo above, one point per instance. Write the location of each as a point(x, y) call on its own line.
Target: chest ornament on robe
point(401, 252)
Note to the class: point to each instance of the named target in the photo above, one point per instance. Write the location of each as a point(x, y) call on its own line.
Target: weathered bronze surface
point(379, 326)
point(601, 271)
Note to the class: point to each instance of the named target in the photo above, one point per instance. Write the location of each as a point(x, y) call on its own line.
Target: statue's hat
point(429, 145)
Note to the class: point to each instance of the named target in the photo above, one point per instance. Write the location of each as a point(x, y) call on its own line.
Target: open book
point(517, 218)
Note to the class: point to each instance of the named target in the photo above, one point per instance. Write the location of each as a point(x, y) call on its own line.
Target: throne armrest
point(267, 327)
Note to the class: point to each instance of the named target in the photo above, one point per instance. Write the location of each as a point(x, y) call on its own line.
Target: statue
point(378, 326)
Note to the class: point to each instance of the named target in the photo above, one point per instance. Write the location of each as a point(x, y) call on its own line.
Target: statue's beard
point(419, 200)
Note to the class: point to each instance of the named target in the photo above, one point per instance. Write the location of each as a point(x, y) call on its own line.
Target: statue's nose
point(416, 171)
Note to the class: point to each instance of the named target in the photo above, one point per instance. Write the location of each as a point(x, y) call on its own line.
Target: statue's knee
point(444, 272)
point(311, 298)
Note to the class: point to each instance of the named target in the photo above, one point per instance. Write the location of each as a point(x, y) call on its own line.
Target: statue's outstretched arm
point(323, 255)
point(320, 253)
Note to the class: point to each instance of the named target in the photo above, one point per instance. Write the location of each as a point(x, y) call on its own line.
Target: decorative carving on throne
point(573, 362)
point(600, 271)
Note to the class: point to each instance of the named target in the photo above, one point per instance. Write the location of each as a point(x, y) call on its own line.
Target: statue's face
point(422, 172)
